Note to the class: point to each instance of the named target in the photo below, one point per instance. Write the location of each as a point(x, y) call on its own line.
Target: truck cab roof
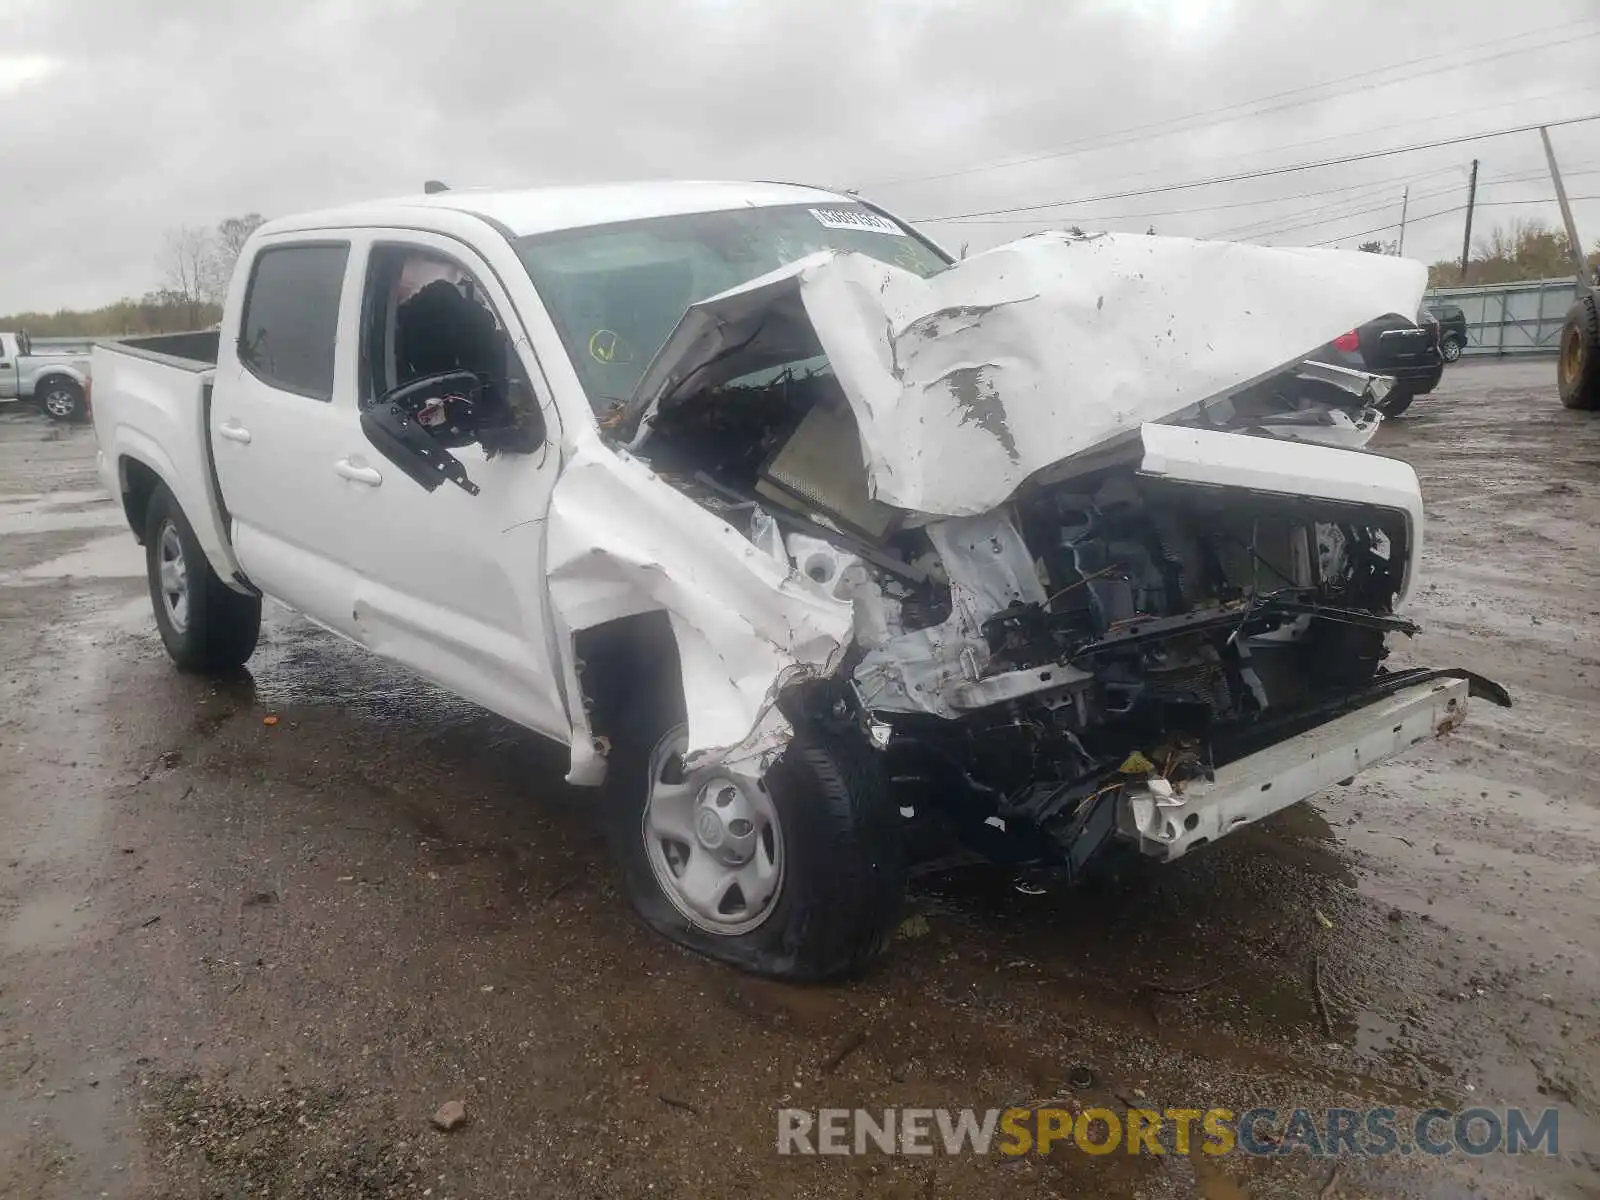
point(548, 209)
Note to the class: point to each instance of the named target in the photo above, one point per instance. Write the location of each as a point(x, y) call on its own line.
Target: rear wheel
point(1450, 347)
point(797, 874)
point(61, 399)
point(1578, 368)
point(1397, 401)
point(205, 624)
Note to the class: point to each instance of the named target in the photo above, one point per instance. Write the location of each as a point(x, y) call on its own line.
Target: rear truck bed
point(151, 420)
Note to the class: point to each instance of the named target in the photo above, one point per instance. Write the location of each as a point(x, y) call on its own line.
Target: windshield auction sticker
point(852, 218)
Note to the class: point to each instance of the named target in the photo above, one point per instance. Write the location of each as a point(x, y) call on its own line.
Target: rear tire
point(1397, 401)
point(1578, 367)
point(835, 847)
point(61, 399)
point(1450, 347)
point(205, 624)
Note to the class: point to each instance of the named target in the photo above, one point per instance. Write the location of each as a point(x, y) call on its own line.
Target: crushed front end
point(1115, 630)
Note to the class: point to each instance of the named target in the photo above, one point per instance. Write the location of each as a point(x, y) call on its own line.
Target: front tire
point(797, 875)
point(204, 624)
point(61, 399)
point(1450, 348)
point(1578, 368)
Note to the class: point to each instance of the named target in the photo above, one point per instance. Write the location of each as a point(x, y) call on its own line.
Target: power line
point(1275, 229)
point(1172, 212)
point(1254, 228)
point(1087, 144)
point(1342, 216)
point(1263, 173)
point(1431, 119)
point(1445, 212)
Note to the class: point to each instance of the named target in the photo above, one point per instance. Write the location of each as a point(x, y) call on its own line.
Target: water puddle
point(117, 557)
point(46, 922)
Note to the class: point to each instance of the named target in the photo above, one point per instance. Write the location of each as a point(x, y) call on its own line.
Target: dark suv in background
point(1396, 346)
point(1452, 330)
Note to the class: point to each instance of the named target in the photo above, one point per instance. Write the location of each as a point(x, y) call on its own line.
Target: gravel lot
point(240, 958)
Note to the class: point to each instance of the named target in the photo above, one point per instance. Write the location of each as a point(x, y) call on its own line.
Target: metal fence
point(1510, 318)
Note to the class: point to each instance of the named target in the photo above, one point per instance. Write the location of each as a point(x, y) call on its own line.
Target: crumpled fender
point(620, 541)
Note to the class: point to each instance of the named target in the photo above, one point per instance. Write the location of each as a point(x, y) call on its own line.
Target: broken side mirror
point(415, 424)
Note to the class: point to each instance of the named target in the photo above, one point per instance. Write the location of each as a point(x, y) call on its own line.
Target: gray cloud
point(165, 112)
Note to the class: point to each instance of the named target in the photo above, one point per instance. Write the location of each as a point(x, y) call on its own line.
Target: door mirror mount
point(416, 424)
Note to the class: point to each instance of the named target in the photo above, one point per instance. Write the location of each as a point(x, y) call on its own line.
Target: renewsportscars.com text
point(1331, 1132)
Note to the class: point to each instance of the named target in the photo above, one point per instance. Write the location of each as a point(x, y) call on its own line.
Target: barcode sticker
point(855, 218)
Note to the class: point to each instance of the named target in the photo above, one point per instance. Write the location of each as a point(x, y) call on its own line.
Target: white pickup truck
point(794, 530)
point(57, 381)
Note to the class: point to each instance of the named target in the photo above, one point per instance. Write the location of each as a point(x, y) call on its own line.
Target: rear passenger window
point(291, 316)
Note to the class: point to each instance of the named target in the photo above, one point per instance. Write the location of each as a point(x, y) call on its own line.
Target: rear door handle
point(234, 432)
point(357, 474)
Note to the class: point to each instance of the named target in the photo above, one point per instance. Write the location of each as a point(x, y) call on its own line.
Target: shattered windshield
point(616, 292)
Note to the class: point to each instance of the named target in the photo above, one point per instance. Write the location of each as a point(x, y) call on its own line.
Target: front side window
point(291, 317)
point(427, 317)
point(617, 291)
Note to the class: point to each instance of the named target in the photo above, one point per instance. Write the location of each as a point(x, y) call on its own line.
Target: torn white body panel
point(1219, 460)
point(928, 670)
point(621, 542)
point(1314, 402)
point(966, 383)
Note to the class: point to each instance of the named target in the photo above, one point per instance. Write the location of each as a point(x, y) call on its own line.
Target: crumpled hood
point(966, 383)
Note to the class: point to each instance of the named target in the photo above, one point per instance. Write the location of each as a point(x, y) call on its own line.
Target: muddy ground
point(249, 959)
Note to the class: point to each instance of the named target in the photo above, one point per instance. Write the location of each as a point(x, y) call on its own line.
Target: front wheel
point(1451, 349)
point(61, 400)
point(797, 874)
point(205, 624)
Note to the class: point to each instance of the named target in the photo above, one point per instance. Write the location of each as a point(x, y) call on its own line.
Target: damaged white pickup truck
point(789, 526)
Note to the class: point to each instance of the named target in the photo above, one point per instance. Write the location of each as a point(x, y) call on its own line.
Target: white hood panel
point(966, 383)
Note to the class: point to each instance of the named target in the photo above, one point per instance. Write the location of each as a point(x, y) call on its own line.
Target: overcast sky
point(121, 118)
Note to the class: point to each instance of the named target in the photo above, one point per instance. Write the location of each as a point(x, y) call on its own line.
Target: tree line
point(1510, 253)
point(193, 267)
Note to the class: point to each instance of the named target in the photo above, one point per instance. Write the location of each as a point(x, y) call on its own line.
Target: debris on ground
point(843, 1049)
point(452, 1115)
point(913, 927)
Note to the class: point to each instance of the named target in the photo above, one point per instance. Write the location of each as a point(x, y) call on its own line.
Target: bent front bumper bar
point(1167, 826)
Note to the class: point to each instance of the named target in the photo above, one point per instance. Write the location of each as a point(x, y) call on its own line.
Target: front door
point(449, 577)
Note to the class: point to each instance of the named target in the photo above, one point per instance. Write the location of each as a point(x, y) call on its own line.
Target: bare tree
point(185, 264)
point(228, 241)
point(1377, 247)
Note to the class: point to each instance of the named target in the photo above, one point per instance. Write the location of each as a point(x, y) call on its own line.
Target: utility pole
point(1466, 239)
point(1405, 203)
point(1580, 264)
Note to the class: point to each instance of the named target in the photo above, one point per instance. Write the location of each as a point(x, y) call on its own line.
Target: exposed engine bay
point(1103, 629)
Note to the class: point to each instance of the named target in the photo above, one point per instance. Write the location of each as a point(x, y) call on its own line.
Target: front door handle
point(358, 474)
point(234, 432)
